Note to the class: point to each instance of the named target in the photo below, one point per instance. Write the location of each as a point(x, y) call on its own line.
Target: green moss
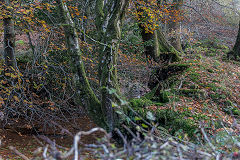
point(151, 94)
point(212, 53)
point(217, 96)
point(20, 42)
point(164, 96)
point(230, 108)
point(236, 111)
point(194, 76)
point(173, 121)
point(141, 102)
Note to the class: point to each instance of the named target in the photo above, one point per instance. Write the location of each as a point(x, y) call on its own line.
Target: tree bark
point(109, 23)
point(235, 53)
point(163, 48)
point(174, 27)
point(84, 93)
point(157, 47)
point(9, 41)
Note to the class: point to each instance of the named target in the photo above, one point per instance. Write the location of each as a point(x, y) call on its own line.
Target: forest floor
point(219, 81)
point(27, 142)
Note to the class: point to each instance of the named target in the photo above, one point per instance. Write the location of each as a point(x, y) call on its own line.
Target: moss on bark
point(157, 46)
point(109, 23)
point(84, 93)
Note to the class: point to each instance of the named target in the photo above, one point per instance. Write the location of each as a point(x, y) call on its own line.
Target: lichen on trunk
point(84, 93)
point(109, 22)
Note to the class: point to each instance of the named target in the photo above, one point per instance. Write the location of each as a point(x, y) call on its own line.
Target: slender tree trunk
point(9, 41)
point(109, 23)
point(174, 27)
point(85, 94)
point(235, 53)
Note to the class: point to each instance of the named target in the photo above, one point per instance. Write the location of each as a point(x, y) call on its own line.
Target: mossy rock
point(212, 44)
point(212, 53)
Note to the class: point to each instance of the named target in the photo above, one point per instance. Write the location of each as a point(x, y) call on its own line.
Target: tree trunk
point(174, 27)
point(159, 49)
point(166, 52)
point(109, 23)
point(85, 94)
point(156, 45)
point(9, 41)
point(235, 53)
point(149, 49)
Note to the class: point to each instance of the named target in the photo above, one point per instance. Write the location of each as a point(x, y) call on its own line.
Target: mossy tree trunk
point(9, 40)
point(156, 45)
point(85, 95)
point(164, 49)
point(109, 20)
point(174, 26)
point(235, 53)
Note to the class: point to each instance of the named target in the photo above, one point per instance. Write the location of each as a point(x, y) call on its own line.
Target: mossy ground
point(208, 91)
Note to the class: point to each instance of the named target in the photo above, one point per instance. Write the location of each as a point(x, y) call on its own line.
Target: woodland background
point(119, 79)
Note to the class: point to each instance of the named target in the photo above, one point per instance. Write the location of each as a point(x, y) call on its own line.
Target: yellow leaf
point(1, 101)
point(8, 74)
point(16, 98)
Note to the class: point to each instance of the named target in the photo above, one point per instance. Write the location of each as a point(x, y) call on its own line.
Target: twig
point(45, 152)
point(18, 153)
point(49, 141)
point(129, 130)
point(63, 129)
point(78, 137)
point(206, 138)
point(123, 138)
point(38, 140)
point(179, 152)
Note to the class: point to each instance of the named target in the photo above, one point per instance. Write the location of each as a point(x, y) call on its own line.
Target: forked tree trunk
point(85, 95)
point(109, 19)
point(235, 53)
point(9, 41)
